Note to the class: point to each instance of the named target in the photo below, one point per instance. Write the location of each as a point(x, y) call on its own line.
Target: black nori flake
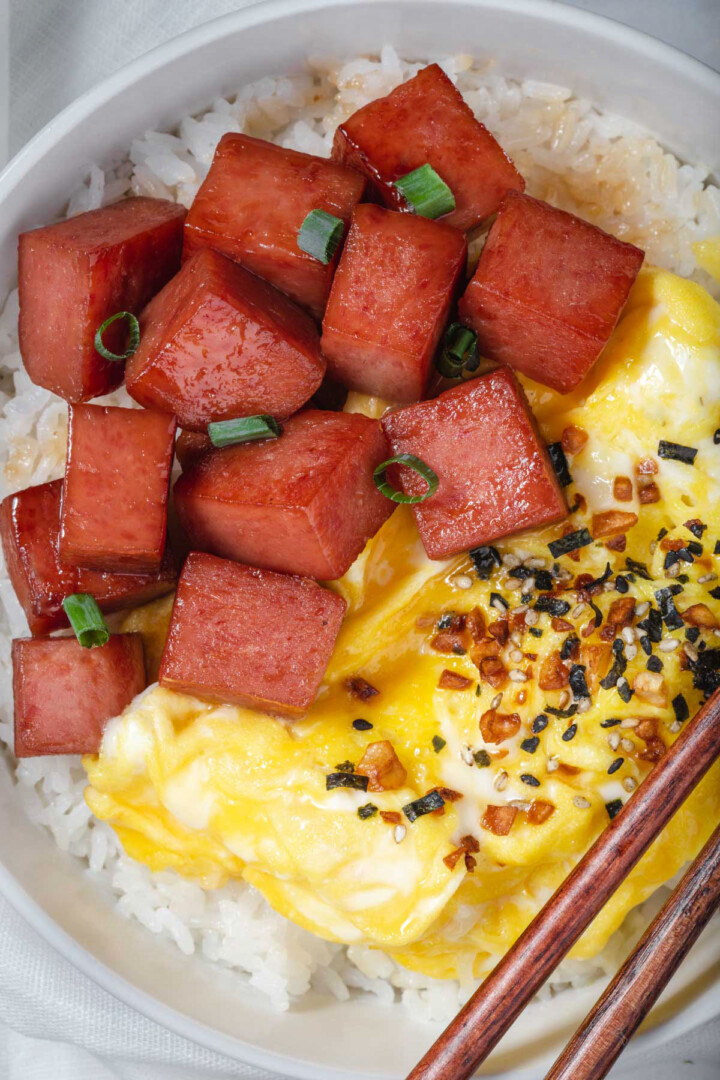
point(606, 574)
point(445, 621)
point(536, 631)
point(716, 549)
point(697, 549)
point(621, 584)
point(598, 613)
point(482, 758)
point(618, 668)
point(528, 778)
point(496, 598)
point(697, 528)
point(612, 721)
point(646, 645)
point(680, 707)
point(715, 593)
point(485, 559)
point(623, 689)
point(638, 568)
point(677, 452)
point(553, 605)
point(530, 745)
point(367, 811)
point(362, 725)
point(564, 714)
point(652, 625)
point(568, 647)
point(571, 542)
point(578, 683)
point(686, 555)
point(345, 766)
point(540, 723)
point(617, 764)
point(654, 664)
point(618, 646)
point(716, 436)
point(575, 506)
point(668, 612)
point(692, 633)
point(544, 581)
point(670, 559)
point(662, 534)
point(438, 743)
point(706, 671)
point(613, 808)
point(560, 464)
point(349, 780)
point(424, 805)
point(569, 733)
point(684, 578)
point(676, 589)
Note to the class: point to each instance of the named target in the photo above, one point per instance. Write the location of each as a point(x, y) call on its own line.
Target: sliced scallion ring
point(426, 192)
point(385, 487)
point(86, 620)
point(320, 234)
point(245, 429)
point(133, 327)
point(459, 352)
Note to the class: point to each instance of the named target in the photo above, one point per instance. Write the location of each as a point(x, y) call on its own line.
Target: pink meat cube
point(75, 274)
point(218, 343)
point(425, 121)
point(190, 446)
point(389, 303)
point(304, 503)
point(548, 291)
point(495, 475)
point(65, 695)
point(115, 495)
point(252, 204)
point(30, 531)
point(249, 637)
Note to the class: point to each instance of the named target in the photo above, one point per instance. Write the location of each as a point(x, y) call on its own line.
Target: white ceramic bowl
point(676, 98)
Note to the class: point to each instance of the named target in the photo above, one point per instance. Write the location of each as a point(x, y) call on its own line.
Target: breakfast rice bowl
point(598, 166)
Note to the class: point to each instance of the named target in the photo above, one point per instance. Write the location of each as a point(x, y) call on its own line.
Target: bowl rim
point(705, 1004)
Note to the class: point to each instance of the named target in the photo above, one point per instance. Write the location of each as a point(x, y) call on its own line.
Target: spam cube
point(65, 695)
point(494, 472)
point(304, 503)
point(389, 303)
point(74, 275)
point(249, 637)
point(426, 121)
point(115, 495)
point(218, 343)
point(251, 207)
point(548, 291)
point(30, 531)
point(190, 447)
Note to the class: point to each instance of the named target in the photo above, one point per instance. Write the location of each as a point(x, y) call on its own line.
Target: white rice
point(603, 168)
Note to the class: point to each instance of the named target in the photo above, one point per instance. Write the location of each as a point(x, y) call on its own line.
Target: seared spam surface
point(248, 636)
point(390, 300)
point(92, 265)
point(495, 475)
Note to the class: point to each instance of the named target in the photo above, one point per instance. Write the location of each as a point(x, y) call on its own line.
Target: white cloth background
point(55, 1024)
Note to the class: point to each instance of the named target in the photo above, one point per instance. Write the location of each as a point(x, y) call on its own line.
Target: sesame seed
point(609, 586)
point(707, 577)
point(500, 781)
point(690, 651)
point(513, 583)
point(552, 764)
point(668, 644)
point(630, 652)
point(495, 703)
point(516, 656)
point(629, 783)
point(628, 745)
point(528, 778)
point(399, 833)
point(617, 764)
point(583, 704)
point(520, 804)
point(642, 609)
point(499, 606)
point(516, 638)
point(629, 722)
point(563, 574)
point(511, 561)
point(467, 755)
point(675, 727)
point(536, 563)
point(517, 676)
point(521, 609)
point(527, 586)
point(628, 635)
point(578, 610)
point(581, 802)
point(463, 581)
point(673, 571)
point(614, 740)
point(653, 547)
point(564, 699)
point(569, 733)
point(531, 617)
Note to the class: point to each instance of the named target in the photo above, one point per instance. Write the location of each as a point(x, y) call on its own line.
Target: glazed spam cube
point(75, 274)
point(254, 201)
point(248, 636)
point(218, 343)
point(30, 530)
point(548, 291)
point(65, 695)
point(389, 303)
point(425, 121)
point(304, 503)
point(114, 503)
point(190, 446)
point(495, 477)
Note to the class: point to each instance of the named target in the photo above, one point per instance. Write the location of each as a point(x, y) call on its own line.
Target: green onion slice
point(426, 192)
point(320, 234)
point(385, 487)
point(246, 429)
point(459, 352)
point(86, 620)
point(133, 336)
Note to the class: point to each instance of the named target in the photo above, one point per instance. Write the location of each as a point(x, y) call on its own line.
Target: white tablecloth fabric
point(55, 1024)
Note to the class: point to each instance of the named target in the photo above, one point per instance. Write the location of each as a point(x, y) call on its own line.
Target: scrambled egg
point(219, 792)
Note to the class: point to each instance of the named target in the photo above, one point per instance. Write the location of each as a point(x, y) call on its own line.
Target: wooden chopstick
point(494, 1007)
point(608, 1027)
